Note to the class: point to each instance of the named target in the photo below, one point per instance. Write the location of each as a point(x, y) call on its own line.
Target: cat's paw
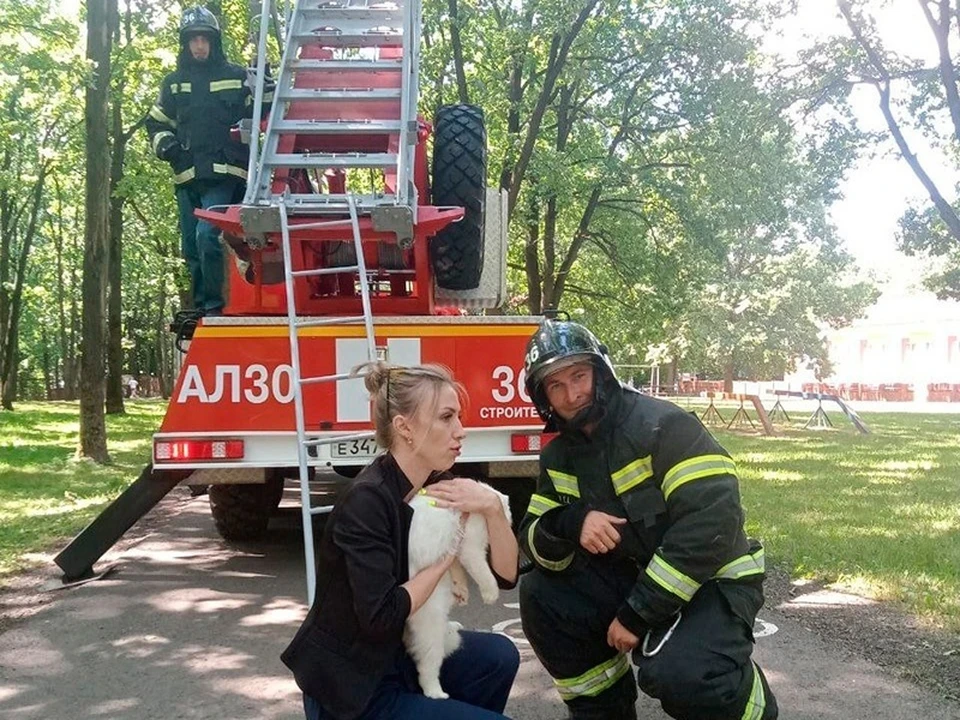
point(436, 692)
point(451, 641)
point(461, 593)
point(489, 594)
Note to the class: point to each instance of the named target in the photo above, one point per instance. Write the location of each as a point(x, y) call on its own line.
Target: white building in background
point(903, 339)
point(907, 340)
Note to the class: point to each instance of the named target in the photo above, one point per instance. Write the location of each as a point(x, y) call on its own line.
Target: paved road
point(190, 628)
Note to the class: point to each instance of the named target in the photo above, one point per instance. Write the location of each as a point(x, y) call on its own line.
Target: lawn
point(877, 514)
point(45, 493)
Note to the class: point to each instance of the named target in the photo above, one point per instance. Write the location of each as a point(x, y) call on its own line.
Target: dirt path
point(190, 628)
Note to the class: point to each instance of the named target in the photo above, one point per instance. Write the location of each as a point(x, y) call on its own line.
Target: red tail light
point(194, 450)
point(530, 443)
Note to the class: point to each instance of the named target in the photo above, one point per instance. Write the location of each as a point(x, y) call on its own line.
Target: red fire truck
point(352, 243)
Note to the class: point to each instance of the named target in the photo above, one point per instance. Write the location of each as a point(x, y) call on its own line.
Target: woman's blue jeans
point(478, 678)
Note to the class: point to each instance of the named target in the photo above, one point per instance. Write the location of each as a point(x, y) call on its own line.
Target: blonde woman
point(348, 656)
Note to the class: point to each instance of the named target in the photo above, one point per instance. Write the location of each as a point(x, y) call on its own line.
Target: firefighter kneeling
point(636, 534)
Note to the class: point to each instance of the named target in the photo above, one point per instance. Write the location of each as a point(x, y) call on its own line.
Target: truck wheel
point(459, 178)
point(241, 512)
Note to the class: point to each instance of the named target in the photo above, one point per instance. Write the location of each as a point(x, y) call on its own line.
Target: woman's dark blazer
point(354, 630)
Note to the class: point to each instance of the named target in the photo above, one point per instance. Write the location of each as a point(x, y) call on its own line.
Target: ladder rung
point(319, 95)
point(350, 39)
point(319, 225)
point(330, 160)
point(334, 127)
point(328, 378)
point(383, 15)
point(327, 203)
point(331, 439)
point(321, 510)
point(360, 64)
point(321, 322)
point(325, 271)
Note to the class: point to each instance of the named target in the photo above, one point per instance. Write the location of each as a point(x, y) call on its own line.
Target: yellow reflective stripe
point(183, 87)
point(629, 476)
point(268, 97)
point(540, 504)
point(565, 484)
point(671, 579)
point(757, 702)
point(225, 169)
point(555, 565)
point(156, 112)
point(744, 565)
point(695, 468)
point(218, 85)
point(595, 680)
point(160, 136)
point(184, 176)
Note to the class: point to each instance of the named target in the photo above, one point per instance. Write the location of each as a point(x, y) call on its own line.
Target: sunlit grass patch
point(45, 493)
point(875, 514)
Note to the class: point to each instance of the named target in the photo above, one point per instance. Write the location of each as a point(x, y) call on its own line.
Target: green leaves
point(665, 197)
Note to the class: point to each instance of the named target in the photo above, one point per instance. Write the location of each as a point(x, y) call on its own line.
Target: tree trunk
point(48, 373)
point(559, 52)
point(458, 61)
point(65, 350)
point(115, 267)
point(93, 431)
point(11, 347)
point(71, 362)
point(531, 257)
point(728, 375)
point(10, 386)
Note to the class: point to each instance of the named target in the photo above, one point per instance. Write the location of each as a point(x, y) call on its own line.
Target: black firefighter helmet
point(197, 20)
point(557, 344)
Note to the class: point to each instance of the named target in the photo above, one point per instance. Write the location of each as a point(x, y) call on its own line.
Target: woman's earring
point(410, 441)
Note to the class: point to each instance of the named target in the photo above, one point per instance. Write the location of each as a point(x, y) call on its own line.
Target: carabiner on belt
point(663, 641)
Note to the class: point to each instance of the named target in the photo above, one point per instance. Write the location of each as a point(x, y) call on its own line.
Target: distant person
point(189, 128)
point(636, 537)
point(348, 656)
point(132, 386)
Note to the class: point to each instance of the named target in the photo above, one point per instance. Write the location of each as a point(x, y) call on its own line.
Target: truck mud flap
point(77, 559)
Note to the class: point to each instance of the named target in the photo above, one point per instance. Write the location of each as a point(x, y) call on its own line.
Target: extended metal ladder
point(349, 71)
point(370, 48)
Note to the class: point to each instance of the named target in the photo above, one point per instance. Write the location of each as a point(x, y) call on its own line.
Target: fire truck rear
point(231, 416)
point(352, 243)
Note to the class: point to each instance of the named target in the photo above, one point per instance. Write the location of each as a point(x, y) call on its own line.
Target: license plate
point(354, 449)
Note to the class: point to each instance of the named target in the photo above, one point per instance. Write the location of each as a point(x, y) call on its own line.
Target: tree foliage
point(659, 187)
point(919, 101)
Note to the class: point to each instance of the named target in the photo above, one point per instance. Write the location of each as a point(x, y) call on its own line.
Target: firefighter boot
point(621, 712)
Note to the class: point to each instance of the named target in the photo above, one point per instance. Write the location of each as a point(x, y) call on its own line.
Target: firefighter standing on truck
point(636, 536)
point(190, 128)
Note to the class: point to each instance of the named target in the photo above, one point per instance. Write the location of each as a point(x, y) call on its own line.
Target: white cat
point(429, 635)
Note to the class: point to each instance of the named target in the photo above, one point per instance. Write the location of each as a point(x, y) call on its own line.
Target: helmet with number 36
point(557, 344)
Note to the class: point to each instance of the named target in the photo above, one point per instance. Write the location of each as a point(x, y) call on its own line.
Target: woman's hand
point(465, 495)
point(469, 496)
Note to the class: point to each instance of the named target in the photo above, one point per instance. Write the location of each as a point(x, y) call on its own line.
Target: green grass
point(876, 514)
point(45, 493)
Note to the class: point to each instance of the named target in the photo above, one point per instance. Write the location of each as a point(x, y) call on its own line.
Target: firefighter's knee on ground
point(679, 680)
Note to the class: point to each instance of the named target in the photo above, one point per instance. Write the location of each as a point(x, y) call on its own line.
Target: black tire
point(519, 490)
point(241, 512)
point(459, 178)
